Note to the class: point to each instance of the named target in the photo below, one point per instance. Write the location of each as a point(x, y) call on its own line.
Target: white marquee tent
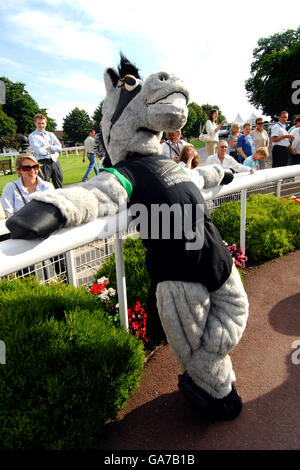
point(239, 119)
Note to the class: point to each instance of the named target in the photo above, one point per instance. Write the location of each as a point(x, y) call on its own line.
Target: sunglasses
point(259, 123)
point(28, 167)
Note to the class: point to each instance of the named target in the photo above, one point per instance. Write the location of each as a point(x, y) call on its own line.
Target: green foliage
point(97, 116)
point(7, 124)
point(275, 67)
point(137, 277)
point(272, 226)
point(197, 117)
point(22, 107)
point(67, 368)
point(208, 107)
point(76, 126)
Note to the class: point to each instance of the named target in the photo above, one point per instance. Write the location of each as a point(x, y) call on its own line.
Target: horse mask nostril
point(163, 76)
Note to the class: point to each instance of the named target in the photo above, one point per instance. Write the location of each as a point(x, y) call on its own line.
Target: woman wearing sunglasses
point(15, 194)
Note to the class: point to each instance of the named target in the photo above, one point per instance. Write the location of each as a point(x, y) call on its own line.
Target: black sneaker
point(213, 409)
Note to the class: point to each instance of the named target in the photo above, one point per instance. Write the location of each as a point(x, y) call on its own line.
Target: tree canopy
point(7, 124)
point(274, 70)
point(76, 126)
point(21, 107)
point(197, 117)
point(97, 116)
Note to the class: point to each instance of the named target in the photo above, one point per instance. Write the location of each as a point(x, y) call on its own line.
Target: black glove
point(228, 176)
point(35, 220)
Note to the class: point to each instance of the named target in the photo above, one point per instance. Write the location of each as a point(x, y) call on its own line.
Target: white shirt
point(210, 129)
point(38, 140)
point(12, 200)
point(89, 144)
point(228, 162)
point(296, 141)
point(261, 139)
point(172, 150)
point(278, 130)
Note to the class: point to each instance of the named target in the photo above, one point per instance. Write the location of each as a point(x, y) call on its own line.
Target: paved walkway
point(158, 417)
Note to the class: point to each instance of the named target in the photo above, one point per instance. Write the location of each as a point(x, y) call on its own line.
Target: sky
point(60, 48)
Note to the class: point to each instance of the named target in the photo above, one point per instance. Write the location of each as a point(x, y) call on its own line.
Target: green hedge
point(67, 371)
point(272, 226)
point(137, 277)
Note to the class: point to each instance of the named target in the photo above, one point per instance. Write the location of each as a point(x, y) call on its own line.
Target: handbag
point(205, 138)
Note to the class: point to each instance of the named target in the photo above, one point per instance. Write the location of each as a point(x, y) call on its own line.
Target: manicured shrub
point(272, 226)
point(68, 369)
point(137, 277)
point(138, 287)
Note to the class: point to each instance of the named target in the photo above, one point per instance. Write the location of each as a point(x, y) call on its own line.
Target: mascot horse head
point(135, 113)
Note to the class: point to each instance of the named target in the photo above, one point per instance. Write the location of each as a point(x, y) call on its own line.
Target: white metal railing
point(14, 153)
point(17, 254)
point(70, 149)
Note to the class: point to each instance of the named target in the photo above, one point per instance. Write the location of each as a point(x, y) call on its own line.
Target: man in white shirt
point(173, 146)
point(89, 150)
point(45, 146)
point(281, 142)
point(295, 150)
point(225, 160)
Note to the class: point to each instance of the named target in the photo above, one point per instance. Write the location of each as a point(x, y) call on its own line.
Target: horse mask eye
point(131, 86)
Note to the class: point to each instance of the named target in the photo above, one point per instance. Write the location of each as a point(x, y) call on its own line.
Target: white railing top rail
point(9, 154)
point(245, 180)
point(14, 153)
point(79, 147)
point(17, 254)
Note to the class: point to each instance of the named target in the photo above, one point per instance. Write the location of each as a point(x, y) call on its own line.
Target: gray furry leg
point(228, 316)
point(183, 308)
point(202, 327)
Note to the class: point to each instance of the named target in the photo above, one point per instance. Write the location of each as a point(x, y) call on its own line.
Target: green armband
point(123, 180)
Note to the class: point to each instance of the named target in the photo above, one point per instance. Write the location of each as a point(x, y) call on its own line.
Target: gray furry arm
point(211, 175)
point(103, 195)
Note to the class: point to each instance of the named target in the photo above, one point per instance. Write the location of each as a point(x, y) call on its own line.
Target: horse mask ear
point(111, 78)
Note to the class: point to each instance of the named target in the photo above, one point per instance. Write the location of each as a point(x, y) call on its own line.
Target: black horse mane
point(127, 68)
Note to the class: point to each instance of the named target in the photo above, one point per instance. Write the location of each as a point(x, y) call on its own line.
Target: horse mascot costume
point(200, 298)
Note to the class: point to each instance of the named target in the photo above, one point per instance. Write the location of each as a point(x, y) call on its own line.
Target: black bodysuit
point(156, 182)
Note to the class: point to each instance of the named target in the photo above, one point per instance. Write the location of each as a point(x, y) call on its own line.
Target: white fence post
point(2, 352)
point(243, 219)
point(121, 281)
point(278, 188)
point(71, 270)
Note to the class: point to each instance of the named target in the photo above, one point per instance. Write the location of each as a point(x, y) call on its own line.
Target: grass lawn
point(196, 143)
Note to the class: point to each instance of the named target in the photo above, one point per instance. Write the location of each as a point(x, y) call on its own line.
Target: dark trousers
point(51, 169)
point(280, 156)
point(295, 159)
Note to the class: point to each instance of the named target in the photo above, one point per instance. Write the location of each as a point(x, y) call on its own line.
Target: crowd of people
point(245, 150)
